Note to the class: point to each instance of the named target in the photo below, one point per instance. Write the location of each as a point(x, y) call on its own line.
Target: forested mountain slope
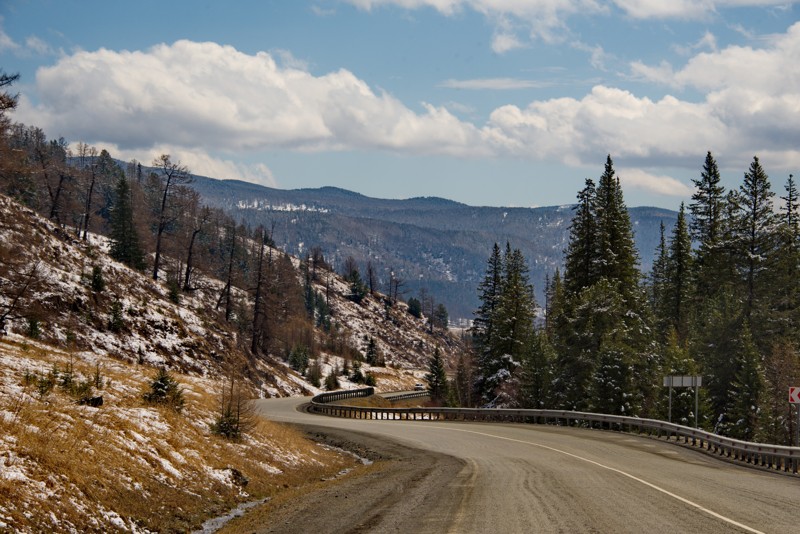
point(431, 243)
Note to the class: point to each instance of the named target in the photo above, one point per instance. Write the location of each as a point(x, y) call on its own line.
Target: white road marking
point(618, 471)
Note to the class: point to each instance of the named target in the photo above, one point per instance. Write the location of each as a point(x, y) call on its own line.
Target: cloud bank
point(206, 98)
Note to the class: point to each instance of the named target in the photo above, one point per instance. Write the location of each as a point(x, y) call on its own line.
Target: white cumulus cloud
point(207, 95)
point(659, 184)
point(198, 162)
point(204, 98)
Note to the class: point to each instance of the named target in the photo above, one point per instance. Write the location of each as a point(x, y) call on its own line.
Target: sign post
point(692, 381)
point(794, 398)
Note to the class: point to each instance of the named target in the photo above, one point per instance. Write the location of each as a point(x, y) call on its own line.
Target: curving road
point(536, 478)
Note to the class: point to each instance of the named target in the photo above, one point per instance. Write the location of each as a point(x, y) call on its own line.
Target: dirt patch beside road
point(404, 489)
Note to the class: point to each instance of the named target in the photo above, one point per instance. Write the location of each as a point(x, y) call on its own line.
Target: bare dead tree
point(226, 291)
point(170, 175)
point(17, 280)
point(258, 310)
point(199, 222)
point(395, 286)
point(372, 277)
point(88, 164)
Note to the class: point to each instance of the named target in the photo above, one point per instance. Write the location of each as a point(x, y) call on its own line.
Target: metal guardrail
point(334, 396)
point(777, 457)
point(406, 396)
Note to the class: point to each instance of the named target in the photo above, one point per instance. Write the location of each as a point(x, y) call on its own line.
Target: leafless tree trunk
point(258, 311)
point(171, 174)
point(17, 278)
point(197, 228)
point(85, 151)
point(372, 277)
point(226, 292)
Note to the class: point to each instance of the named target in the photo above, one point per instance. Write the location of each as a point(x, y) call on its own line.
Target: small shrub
point(46, 383)
point(314, 375)
point(34, 330)
point(357, 377)
point(67, 378)
point(97, 378)
point(116, 322)
point(236, 414)
point(164, 389)
point(174, 291)
point(29, 378)
point(226, 425)
point(98, 283)
point(72, 339)
point(415, 307)
point(298, 359)
point(369, 380)
point(332, 381)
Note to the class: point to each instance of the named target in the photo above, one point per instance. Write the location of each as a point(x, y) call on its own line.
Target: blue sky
point(488, 102)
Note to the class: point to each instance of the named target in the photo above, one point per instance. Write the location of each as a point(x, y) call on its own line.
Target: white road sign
point(677, 381)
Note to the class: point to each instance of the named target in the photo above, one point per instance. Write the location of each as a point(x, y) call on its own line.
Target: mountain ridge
point(436, 245)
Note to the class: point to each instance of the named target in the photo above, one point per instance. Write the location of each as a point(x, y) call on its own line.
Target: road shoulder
point(404, 489)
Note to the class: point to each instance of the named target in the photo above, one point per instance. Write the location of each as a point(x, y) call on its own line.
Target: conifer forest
point(722, 301)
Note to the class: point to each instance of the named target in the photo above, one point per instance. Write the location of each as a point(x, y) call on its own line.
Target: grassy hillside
point(81, 326)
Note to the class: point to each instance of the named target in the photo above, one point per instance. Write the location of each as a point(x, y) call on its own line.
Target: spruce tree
point(617, 258)
point(784, 290)
point(437, 378)
point(515, 310)
point(715, 347)
point(124, 239)
point(594, 316)
point(612, 389)
point(707, 205)
point(581, 254)
point(463, 382)
point(678, 272)
point(484, 329)
point(791, 210)
point(757, 236)
point(554, 311)
point(604, 326)
point(658, 283)
point(743, 417)
point(536, 374)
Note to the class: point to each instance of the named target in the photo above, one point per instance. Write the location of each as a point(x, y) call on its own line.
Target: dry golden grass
point(126, 464)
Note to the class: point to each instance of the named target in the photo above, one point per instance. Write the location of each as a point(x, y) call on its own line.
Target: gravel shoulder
point(405, 489)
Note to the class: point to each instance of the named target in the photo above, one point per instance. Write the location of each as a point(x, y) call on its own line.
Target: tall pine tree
point(581, 254)
point(757, 239)
point(484, 329)
point(437, 378)
point(617, 258)
point(124, 239)
point(678, 274)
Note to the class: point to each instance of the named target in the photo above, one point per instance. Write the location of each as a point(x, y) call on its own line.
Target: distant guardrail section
point(776, 457)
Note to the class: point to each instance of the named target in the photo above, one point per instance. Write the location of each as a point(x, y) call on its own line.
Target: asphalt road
point(536, 478)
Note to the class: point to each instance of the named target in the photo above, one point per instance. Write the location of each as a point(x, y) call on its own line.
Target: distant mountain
point(430, 242)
